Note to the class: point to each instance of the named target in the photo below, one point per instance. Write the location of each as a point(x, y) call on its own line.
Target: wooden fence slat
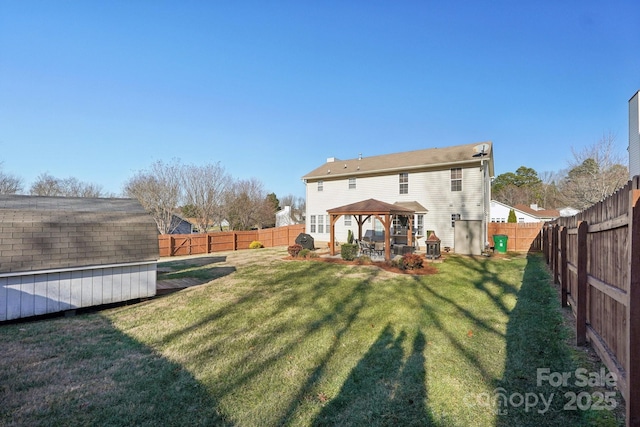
point(632, 315)
point(564, 266)
point(581, 298)
point(189, 244)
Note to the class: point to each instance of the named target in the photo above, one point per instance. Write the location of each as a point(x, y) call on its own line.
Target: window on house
point(312, 223)
point(320, 185)
point(404, 183)
point(456, 179)
point(352, 183)
point(454, 218)
point(419, 224)
point(328, 222)
point(347, 220)
point(320, 224)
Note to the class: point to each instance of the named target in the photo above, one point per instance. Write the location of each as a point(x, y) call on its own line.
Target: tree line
point(205, 194)
point(594, 173)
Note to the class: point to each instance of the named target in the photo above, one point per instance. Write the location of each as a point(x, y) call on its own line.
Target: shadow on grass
point(385, 388)
point(108, 379)
point(536, 338)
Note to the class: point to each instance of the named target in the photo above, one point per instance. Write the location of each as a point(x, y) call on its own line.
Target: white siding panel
point(27, 296)
point(65, 291)
point(86, 284)
point(53, 292)
point(634, 136)
point(42, 293)
point(97, 289)
point(40, 290)
point(4, 297)
point(14, 299)
point(107, 286)
point(76, 289)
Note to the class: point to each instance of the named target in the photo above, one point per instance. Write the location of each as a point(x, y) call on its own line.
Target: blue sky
point(99, 90)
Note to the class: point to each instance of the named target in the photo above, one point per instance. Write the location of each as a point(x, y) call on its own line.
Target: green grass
point(304, 343)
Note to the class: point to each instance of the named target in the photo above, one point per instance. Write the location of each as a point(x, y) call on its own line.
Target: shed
point(59, 253)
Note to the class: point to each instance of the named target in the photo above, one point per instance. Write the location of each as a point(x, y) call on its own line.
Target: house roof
point(538, 213)
point(405, 161)
point(414, 206)
point(371, 207)
point(43, 233)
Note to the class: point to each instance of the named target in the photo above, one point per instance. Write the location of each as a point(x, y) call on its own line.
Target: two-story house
point(441, 185)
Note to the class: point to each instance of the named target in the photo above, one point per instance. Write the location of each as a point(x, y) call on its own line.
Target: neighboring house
point(59, 254)
point(285, 216)
point(442, 184)
point(181, 225)
point(568, 211)
point(634, 135)
point(543, 215)
point(500, 213)
point(524, 214)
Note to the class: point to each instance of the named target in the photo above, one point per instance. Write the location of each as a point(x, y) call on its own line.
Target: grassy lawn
point(270, 342)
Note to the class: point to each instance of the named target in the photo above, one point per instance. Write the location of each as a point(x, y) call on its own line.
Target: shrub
point(350, 237)
point(304, 253)
point(365, 260)
point(294, 250)
point(255, 245)
point(313, 254)
point(411, 262)
point(348, 251)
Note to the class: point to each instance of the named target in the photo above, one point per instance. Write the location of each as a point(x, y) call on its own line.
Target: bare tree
point(204, 189)
point(595, 173)
point(47, 185)
point(246, 205)
point(9, 184)
point(159, 191)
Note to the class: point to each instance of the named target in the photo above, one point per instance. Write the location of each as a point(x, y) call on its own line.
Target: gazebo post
point(332, 235)
point(387, 232)
point(410, 231)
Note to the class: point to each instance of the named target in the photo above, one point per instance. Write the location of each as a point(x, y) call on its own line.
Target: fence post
point(581, 298)
point(632, 315)
point(556, 252)
point(563, 266)
point(545, 242)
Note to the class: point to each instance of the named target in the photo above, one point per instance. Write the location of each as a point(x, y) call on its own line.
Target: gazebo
point(365, 209)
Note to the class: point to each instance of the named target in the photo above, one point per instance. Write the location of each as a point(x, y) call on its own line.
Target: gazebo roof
point(371, 206)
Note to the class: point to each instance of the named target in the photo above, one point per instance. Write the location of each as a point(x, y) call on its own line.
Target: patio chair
point(365, 249)
point(379, 248)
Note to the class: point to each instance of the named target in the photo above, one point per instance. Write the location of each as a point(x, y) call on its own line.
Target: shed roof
point(42, 233)
point(405, 161)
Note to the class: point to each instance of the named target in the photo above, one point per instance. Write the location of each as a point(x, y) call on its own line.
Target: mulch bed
point(426, 269)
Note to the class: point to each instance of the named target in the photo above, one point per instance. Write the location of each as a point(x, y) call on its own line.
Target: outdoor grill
point(306, 241)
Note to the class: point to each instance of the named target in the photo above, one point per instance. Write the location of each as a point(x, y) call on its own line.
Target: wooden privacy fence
point(521, 237)
point(595, 257)
point(204, 243)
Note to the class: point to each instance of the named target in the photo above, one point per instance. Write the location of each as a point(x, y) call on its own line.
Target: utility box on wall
point(468, 237)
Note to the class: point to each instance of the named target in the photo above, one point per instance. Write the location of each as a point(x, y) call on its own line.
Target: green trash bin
point(500, 243)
